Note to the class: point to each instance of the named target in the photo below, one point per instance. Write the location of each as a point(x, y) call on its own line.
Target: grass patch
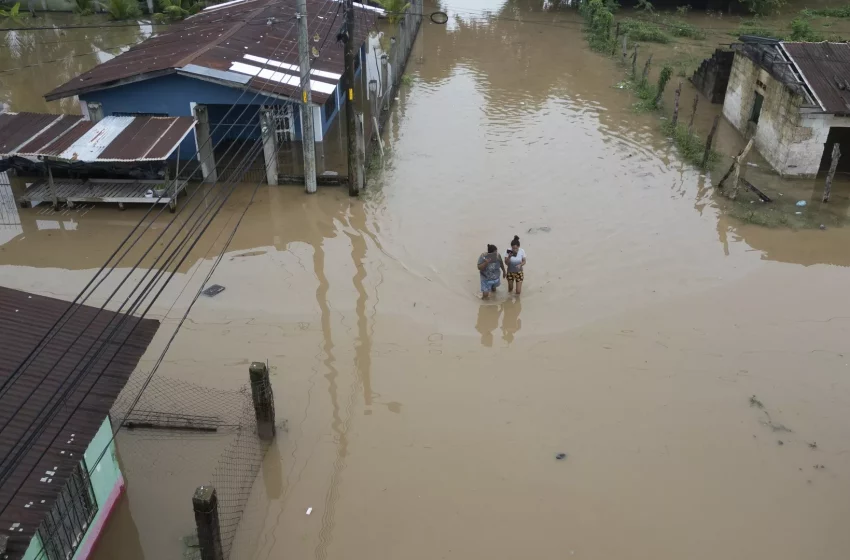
point(644, 31)
point(679, 28)
point(407, 80)
point(755, 26)
point(691, 147)
point(780, 213)
point(842, 12)
point(685, 65)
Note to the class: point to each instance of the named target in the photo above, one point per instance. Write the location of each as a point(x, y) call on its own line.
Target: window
point(330, 104)
point(120, 114)
point(754, 116)
point(62, 531)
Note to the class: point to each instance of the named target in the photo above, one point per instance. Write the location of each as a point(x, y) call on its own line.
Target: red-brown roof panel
point(826, 69)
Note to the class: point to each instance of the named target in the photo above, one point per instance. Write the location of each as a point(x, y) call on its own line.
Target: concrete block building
point(794, 98)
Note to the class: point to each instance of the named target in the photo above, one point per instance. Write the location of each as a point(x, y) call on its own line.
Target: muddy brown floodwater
point(423, 423)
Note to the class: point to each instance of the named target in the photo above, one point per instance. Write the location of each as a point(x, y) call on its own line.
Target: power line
point(124, 317)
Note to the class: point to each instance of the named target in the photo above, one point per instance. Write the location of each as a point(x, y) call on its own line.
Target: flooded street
point(422, 422)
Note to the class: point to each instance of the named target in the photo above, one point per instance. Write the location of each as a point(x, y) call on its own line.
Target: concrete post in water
point(645, 70)
point(269, 133)
point(350, 116)
point(54, 198)
point(205, 144)
point(625, 47)
point(261, 394)
point(205, 506)
point(385, 80)
point(693, 114)
point(836, 154)
point(675, 120)
point(710, 141)
point(308, 137)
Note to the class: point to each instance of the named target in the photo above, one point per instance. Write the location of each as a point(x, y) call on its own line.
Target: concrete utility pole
point(352, 129)
point(308, 138)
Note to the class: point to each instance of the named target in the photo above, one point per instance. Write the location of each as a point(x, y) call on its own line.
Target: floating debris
point(213, 290)
point(755, 402)
point(813, 445)
point(560, 456)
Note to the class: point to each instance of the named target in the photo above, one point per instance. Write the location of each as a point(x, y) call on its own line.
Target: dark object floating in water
point(780, 442)
point(544, 229)
point(213, 290)
point(561, 456)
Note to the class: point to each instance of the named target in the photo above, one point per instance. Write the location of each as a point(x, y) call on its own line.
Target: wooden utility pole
point(350, 117)
point(693, 114)
point(308, 137)
point(709, 141)
point(836, 153)
point(676, 105)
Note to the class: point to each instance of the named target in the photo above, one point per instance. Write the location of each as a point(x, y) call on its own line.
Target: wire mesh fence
point(179, 436)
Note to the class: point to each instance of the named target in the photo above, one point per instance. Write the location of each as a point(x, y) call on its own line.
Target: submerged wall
point(107, 485)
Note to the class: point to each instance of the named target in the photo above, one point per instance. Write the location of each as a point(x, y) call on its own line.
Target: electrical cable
point(204, 229)
point(12, 378)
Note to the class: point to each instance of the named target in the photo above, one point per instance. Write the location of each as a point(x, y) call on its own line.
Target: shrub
point(842, 12)
point(122, 9)
point(638, 30)
point(679, 28)
point(801, 30)
point(691, 147)
point(763, 7)
point(598, 19)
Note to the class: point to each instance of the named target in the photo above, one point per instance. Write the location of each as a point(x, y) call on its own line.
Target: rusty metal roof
point(70, 138)
point(24, 319)
point(238, 43)
point(826, 70)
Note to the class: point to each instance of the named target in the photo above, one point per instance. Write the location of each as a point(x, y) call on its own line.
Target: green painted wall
point(103, 480)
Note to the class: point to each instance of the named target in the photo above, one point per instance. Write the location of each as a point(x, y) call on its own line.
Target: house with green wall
point(61, 369)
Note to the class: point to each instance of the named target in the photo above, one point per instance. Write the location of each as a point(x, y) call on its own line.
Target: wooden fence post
point(261, 394)
point(205, 505)
point(710, 141)
point(676, 105)
point(634, 64)
point(645, 70)
point(693, 114)
point(836, 153)
point(735, 170)
point(614, 42)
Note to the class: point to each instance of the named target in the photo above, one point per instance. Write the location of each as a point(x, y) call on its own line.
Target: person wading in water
point(491, 269)
point(515, 261)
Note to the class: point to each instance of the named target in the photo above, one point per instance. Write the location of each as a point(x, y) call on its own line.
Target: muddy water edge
point(424, 423)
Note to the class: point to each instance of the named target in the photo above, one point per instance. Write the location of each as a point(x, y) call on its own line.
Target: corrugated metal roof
point(228, 33)
point(826, 70)
point(24, 320)
point(113, 139)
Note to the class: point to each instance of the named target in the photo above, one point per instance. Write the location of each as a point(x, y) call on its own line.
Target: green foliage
point(175, 10)
point(598, 19)
point(122, 9)
point(763, 7)
point(638, 30)
point(684, 65)
point(395, 9)
point(84, 7)
point(690, 147)
point(645, 5)
point(407, 80)
point(842, 12)
point(683, 10)
point(663, 79)
point(11, 13)
point(756, 27)
point(679, 28)
point(801, 30)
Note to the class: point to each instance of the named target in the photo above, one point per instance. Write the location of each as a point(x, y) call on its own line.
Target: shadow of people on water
point(488, 321)
point(511, 323)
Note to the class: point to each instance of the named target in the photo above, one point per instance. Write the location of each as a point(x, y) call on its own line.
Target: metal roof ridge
point(802, 75)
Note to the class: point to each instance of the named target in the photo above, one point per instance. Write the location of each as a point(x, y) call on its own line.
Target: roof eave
point(54, 95)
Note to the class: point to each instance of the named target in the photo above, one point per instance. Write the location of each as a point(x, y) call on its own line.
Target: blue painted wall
point(173, 94)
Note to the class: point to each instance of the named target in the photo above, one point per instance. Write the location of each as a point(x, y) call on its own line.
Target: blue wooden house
point(224, 66)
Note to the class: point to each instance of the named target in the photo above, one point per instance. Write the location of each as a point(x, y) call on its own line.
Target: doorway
point(756, 112)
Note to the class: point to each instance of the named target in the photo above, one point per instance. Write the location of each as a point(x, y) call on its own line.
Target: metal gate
point(284, 126)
